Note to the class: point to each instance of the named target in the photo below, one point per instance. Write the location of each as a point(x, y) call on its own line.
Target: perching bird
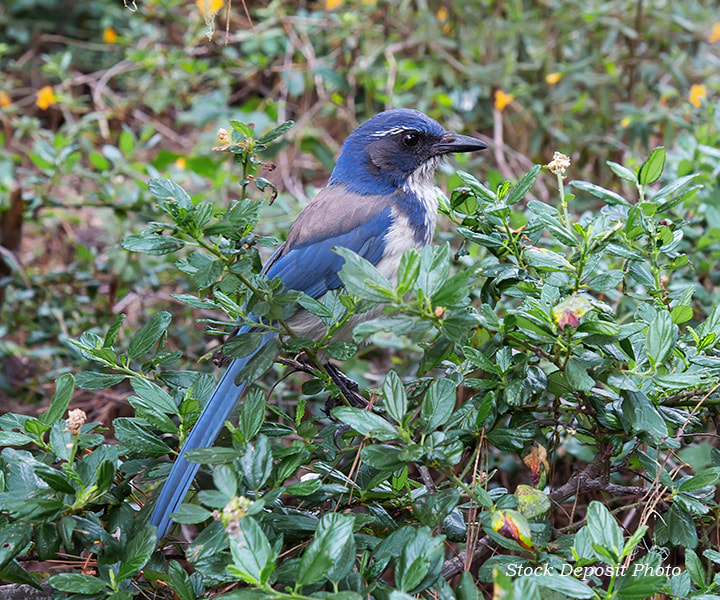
point(379, 202)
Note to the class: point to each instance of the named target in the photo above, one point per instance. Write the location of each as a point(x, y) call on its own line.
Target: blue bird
point(379, 202)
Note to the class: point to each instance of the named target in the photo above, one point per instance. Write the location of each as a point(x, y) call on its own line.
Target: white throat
point(420, 185)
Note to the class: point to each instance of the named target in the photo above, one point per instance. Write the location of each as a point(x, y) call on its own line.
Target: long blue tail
point(203, 434)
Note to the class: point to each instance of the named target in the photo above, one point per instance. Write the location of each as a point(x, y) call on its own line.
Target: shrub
point(547, 357)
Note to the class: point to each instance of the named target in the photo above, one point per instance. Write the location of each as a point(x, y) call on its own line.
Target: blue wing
point(203, 434)
point(306, 262)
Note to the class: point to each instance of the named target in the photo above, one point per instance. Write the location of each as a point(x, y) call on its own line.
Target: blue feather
point(203, 434)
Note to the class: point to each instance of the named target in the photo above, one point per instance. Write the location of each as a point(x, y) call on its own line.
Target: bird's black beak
point(454, 142)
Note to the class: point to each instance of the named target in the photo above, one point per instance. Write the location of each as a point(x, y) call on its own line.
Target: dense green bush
point(546, 338)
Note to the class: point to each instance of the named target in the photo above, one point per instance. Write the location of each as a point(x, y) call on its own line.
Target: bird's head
point(387, 151)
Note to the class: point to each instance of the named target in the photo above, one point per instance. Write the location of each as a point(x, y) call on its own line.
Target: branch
point(593, 477)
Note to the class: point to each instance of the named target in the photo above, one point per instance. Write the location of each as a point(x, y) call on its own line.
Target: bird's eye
point(411, 139)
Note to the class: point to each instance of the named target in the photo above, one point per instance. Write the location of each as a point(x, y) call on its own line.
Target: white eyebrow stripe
point(391, 131)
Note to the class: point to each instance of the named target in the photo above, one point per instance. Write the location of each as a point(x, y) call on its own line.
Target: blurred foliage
point(560, 333)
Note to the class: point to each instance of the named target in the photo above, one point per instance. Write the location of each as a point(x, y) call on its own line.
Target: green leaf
point(466, 589)
point(676, 191)
point(540, 258)
point(136, 436)
point(563, 584)
point(481, 361)
point(212, 456)
point(601, 193)
point(652, 168)
point(191, 514)
point(179, 582)
point(314, 306)
point(604, 530)
point(383, 457)
point(438, 404)
point(149, 334)
point(242, 344)
point(621, 172)
point(333, 535)
point(681, 314)
point(520, 190)
point(432, 509)
point(434, 268)
point(366, 423)
point(253, 558)
point(154, 244)
point(14, 537)
point(275, 133)
point(576, 375)
point(532, 502)
point(340, 350)
point(92, 380)
point(54, 478)
point(154, 394)
point(242, 128)
point(261, 361)
point(695, 568)
point(660, 338)
point(257, 463)
point(477, 188)
point(408, 270)
point(77, 583)
point(164, 189)
point(137, 553)
point(395, 397)
point(236, 220)
point(113, 330)
point(642, 414)
point(417, 565)
point(700, 481)
point(681, 528)
point(459, 323)
point(634, 540)
point(362, 278)
point(639, 587)
point(64, 387)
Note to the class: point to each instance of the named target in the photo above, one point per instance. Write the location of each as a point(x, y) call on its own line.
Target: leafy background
point(548, 339)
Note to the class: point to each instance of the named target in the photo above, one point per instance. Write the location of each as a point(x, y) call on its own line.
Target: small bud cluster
point(559, 164)
point(232, 514)
point(76, 419)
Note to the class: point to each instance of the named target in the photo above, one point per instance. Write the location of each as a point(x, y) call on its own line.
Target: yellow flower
point(181, 163)
point(109, 35)
point(442, 14)
point(45, 98)
point(553, 78)
point(502, 99)
point(714, 34)
point(4, 99)
point(209, 8)
point(697, 93)
point(333, 4)
point(625, 122)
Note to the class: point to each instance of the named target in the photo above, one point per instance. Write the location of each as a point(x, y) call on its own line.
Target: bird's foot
point(348, 388)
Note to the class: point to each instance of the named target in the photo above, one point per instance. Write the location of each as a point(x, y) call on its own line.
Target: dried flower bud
point(232, 514)
point(76, 419)
point(223, 135)
point(559, 164)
